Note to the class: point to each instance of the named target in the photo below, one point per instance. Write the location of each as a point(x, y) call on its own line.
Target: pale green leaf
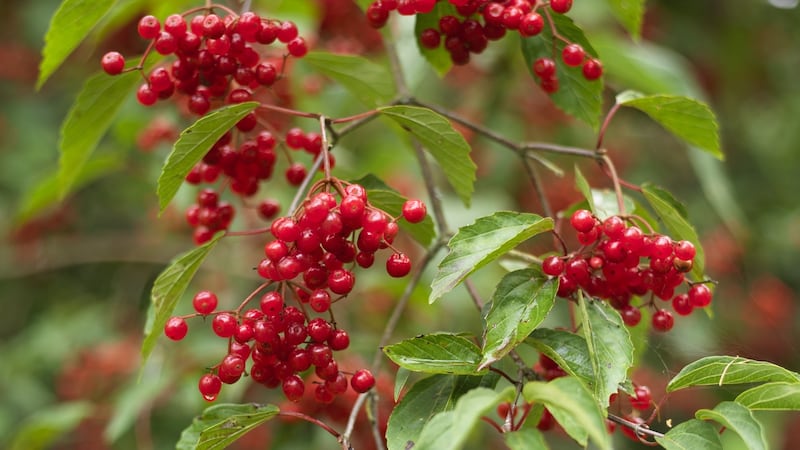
point(568, 350)
point(193, 143)
point(40, 430)
point(520, 303)
point(447, 146)
point(369, 82)
point(778, 396)
point(525, 439)
point(691, 435)
point(584, 188)
point(727, 370)
point(69, 26)
point(221, 425)
point(476, 245)
point(130, 402)
point(439, 57)
point(436, 353)
point(735, 417)
point(606, 204)
point(629, 13)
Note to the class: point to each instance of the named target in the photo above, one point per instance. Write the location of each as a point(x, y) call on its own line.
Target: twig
point(304, 185)
point(537, 185)
point(473, 293)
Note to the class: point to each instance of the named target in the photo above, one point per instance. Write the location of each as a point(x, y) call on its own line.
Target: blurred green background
point(75, 275)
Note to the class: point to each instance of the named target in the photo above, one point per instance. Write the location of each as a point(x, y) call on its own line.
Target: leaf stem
point(317, 422)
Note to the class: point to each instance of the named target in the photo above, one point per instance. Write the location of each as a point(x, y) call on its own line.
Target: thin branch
point(474, 295)
point(638, 428)
point(351, 421)
point(537, 185)
point(433, 193)
point(306, 181)
point(615, 179)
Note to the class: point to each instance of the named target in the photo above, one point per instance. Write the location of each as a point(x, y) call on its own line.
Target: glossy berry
point(204, 302)
point(582, 221)
point(531, 24)
point(209, 386)
point(592, 69)
point(297, 47)
point(398, 265)
point(224, 325)
point(553, 266)
point(293, 387)
point(414, 211)
point(561, 6)
point(176, 328)
point(682, 305)
point(430, 38)
point(641, 398)
point(663, 320)
point(338, 340)
point(149, 27)
point(544, 68)
point(631, 315)
point(268, 209)
point(362, 381)
point(341, 281)
point(685, 250)
point(700, 296)
point(113, 63)
point(573, 55)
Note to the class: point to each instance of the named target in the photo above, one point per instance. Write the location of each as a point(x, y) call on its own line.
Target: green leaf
point(221, 425)
point(442, 141)
point(610, 347)
point(400, 380)
point(606, 205)
point(369, 82)
point(40, 430)
point(736, 417)
point(584, 188)
point(424, 400)
point(436, 353)
point(193, 143)
point(779, 396)
point(69, 26)
point(169, 288)
point(88, 120)
point(520, 303)
point(727, 370)
point(691, 435)
point(47, 192)
point(629, 13)
point(664, 205)
point(573, 406)
point(384, 197)
point(130, 402)
point(568, 350)
point(687, 118)
point(476, 245)
point(525, 439)
point(450, 430)
point(576, 95)
point(439, 57)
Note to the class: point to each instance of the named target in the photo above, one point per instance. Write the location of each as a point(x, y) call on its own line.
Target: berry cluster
point(618, 262)
point(209, 215)
point(573, 55)
point(305, 263)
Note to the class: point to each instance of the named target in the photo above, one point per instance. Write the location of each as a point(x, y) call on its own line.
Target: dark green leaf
point(40, 430)
point(475, 245)
point(438, 58)
point(520, 303)
point(221, 425)
point(69, 26)
point(526, 439)
point(88, 120)
point(169, 288)
point(584, 188)
point(740, 420)
point(779, 396)
point(629, 13)
point(679, 228)
point(193, 143)
point(442, 141)
point(687, 118)
point(573, 406)
point(726, 370)
point(691, 435)
point(568, 350)
point(424, 400)
point(371, 83)
point(436, 353)
point(610, 347)
point(576, 95)
point(450, 430)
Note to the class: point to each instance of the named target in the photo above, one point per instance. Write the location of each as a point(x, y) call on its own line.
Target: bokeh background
point(75, 275)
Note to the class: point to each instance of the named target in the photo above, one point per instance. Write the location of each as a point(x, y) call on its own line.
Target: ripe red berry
point(663, 320)
point(553, 266)
point(338, 339)
point(398, 265)
point(205, 302)
point(682, 305)
point(320, 300)
point(113, 63)
point(209, 386)
point(149, 27)
point(224, 325)
point(271, 304)
point(176, 328)
point(430, 38)
point(641, 398)
point(582, 221)
point(700, 295)
point(268, 209)
point(297, 47)
point(340, 281)
point(531, 24)
point(685, 250)
point(592, 69)
point(146, 96)
point(362, 381)
point(573, 55)
point(631, 315)
point(414, 211)
point(293, 387)
point(561, 6)
point(166, 44)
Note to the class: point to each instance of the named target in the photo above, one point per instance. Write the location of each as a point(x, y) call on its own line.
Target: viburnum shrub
point(577, 290)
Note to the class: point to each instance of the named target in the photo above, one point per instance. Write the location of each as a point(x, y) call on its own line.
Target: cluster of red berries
point(209, 215)
point(618, 262)
point(573, 55)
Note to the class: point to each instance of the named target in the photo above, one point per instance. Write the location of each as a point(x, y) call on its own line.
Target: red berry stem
point(252, 296)
point(606, 122)
point(309, 419)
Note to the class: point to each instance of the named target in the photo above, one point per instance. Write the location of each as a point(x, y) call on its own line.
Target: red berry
point(549, 85)
point(663, 320)
point(592, 69)
point(641, 398)
point(297, 47)
point(113, 63)
point(700, 296)
point(553, 266)
point(319, 329)
point(362, 381)
point(531, 24)
point(320, 300)
point(414, 211)
point(340, 281)
point(146, 96)
point(631, 315)
point(268, 209)
point(561, 6)
point(338, 340)
point(582, 221)
point(176, 328)
point(205, 302)
point(573, 55)
point(398, 265)
point(293, 387)
point(271, 304)
point(149, 27)
point(685, 250)
point(296, 173)
point(166, 44)
point(430, 38)
point(682, 305)
point(209, 386)
point(224, 325)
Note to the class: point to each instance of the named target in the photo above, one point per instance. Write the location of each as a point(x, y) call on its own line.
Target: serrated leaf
point(193, 143)
point(629, 13)
point(220, 425)
point(584, 188)
point(47, 191)
point(439, 58)
point(687, 118)
point(573, 406)
point(41, 429)
point(424, 400)
point(87, 121)
point(663, 204)
point(447, 146)
point(436, 353)
point(169, 288)
point(525, 439)
point(576, 95)
point(475, 245)
point(519, 304)
point(778, 396)
point(691, 435)
point(726, 370)
point(610, 347)
point(384, 197)
point(450, 430)
point(369, 82)
point(736, 417)
point(69, 26)
point(568, 350)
